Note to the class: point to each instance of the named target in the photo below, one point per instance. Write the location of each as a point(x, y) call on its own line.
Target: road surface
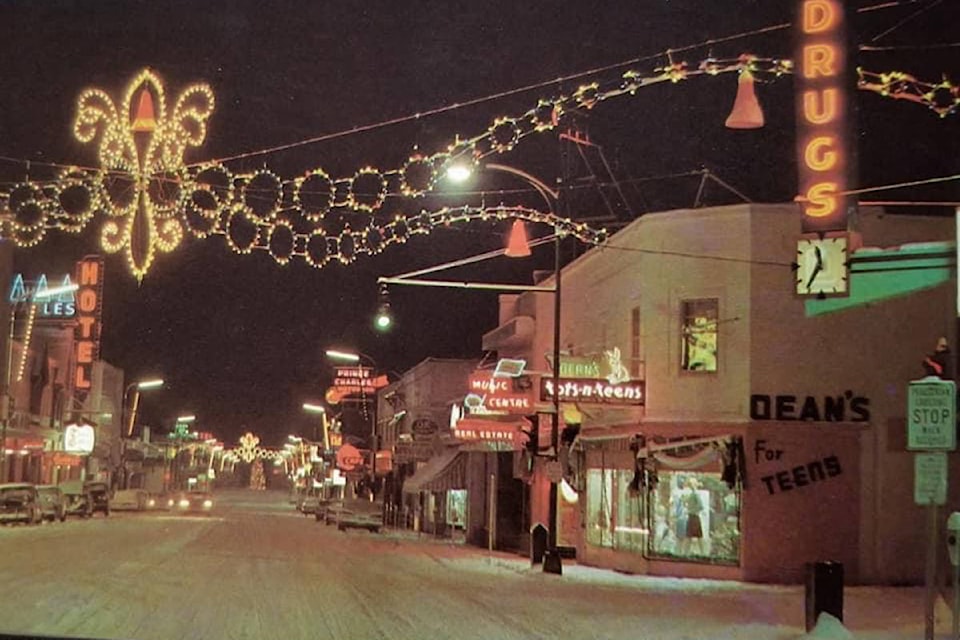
point(257, 569)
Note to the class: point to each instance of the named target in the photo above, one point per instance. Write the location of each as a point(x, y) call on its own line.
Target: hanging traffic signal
point(384, 318)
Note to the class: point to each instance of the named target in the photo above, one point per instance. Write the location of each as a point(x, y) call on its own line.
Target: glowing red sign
point(87, 333)
point(349, 457)
point(823, 115)
point(493, 394)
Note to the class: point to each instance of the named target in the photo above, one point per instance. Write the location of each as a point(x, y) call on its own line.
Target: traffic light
point(533, 439)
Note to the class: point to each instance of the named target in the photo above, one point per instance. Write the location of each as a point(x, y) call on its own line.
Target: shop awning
point(442, 472)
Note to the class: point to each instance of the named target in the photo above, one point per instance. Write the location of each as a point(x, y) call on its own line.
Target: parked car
point(86, 498)
point(19, 502)
point(191, 502)
point(307, 501)
point(355, 513)
point(53, 503)
point(130, 500)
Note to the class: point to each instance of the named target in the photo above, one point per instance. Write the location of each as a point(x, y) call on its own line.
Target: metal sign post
point(931, 430)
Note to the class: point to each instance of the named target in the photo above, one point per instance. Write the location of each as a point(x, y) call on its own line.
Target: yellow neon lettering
point(822, 198)
point(819, 16)
point(819, 155)
point(820, 107)
point(818, 59)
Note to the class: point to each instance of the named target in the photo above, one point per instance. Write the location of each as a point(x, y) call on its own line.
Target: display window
point(457, 508)
point(615, 510)
point(600, 507)
point(695, 515)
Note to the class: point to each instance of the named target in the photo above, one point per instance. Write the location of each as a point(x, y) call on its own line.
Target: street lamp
point(356, 357)
point(137, 387)
point(31, 299)
point(316, 408)
point(516, 249)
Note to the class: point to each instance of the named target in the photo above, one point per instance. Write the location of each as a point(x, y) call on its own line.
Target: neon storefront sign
point(823, 159)
point(60, 307)
point(587, 390)
point(87, 332)
point(78, 439)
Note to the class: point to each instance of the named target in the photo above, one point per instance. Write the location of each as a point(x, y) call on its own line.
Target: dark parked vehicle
point(19, 502)
point(86, 498)
point(53, 503)
point(354, 513)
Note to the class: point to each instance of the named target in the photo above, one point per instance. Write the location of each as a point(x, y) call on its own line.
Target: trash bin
point(824, 591)
point(538, 543)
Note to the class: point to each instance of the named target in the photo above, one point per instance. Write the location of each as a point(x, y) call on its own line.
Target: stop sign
point(932, 415)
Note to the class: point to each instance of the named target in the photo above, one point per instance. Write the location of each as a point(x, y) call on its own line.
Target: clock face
point(822, 266)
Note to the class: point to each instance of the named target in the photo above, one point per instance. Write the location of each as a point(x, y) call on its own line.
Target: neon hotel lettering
point(88, 321)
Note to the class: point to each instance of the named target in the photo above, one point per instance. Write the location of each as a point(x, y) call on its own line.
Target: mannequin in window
point(694, 506)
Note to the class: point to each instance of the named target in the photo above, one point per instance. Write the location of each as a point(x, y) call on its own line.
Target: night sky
point(239, 339)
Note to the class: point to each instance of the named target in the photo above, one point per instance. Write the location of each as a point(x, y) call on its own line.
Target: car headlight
point(207, 504)
point(184, 504)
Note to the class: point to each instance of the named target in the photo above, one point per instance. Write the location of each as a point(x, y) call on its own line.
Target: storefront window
point(600, 507)
point(615, 510)
point(457, 507)
point(695, 516)
point(630, 530)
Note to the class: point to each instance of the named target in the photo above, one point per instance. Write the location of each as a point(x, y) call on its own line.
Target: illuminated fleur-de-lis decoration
point(141, 161)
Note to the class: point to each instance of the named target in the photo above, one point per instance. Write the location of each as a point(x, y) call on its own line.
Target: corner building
point(773, 428)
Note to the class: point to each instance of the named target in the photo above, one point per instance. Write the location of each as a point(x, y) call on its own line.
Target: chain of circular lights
point(151, 198)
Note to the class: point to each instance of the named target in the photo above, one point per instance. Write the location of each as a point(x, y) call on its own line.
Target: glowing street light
point(137, 387)
point(316, 408)
point(344, 356)
point(518, 247)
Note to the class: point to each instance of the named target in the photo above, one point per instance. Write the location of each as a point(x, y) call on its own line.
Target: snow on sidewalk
point(870, 612)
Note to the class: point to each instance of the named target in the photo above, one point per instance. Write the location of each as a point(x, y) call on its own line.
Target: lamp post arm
point(550, 195)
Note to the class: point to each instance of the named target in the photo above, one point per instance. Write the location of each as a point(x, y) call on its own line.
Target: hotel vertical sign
point(89, 298)
point(825, 155)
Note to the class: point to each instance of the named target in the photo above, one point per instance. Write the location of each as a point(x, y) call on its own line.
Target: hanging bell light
point(746, 113)
point(517, 246)
point(144, 120)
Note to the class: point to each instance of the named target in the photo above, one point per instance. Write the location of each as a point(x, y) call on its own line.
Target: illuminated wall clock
point(822, 265)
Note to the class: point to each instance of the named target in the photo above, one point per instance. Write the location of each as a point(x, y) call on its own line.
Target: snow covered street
point(257, 569)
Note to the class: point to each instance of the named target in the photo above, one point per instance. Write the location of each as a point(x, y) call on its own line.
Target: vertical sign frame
point(826, 156)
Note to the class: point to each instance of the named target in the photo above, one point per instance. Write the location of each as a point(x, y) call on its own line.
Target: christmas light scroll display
point(141, 151)
point(250, 450)
point(150, 196)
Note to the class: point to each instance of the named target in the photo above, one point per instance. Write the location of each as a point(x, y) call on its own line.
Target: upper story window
point(699, 335)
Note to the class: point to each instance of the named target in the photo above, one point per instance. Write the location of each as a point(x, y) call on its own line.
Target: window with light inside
point(695, 516)
point(699, 335)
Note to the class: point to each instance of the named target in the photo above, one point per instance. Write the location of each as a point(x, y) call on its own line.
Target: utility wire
point(906, 20)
